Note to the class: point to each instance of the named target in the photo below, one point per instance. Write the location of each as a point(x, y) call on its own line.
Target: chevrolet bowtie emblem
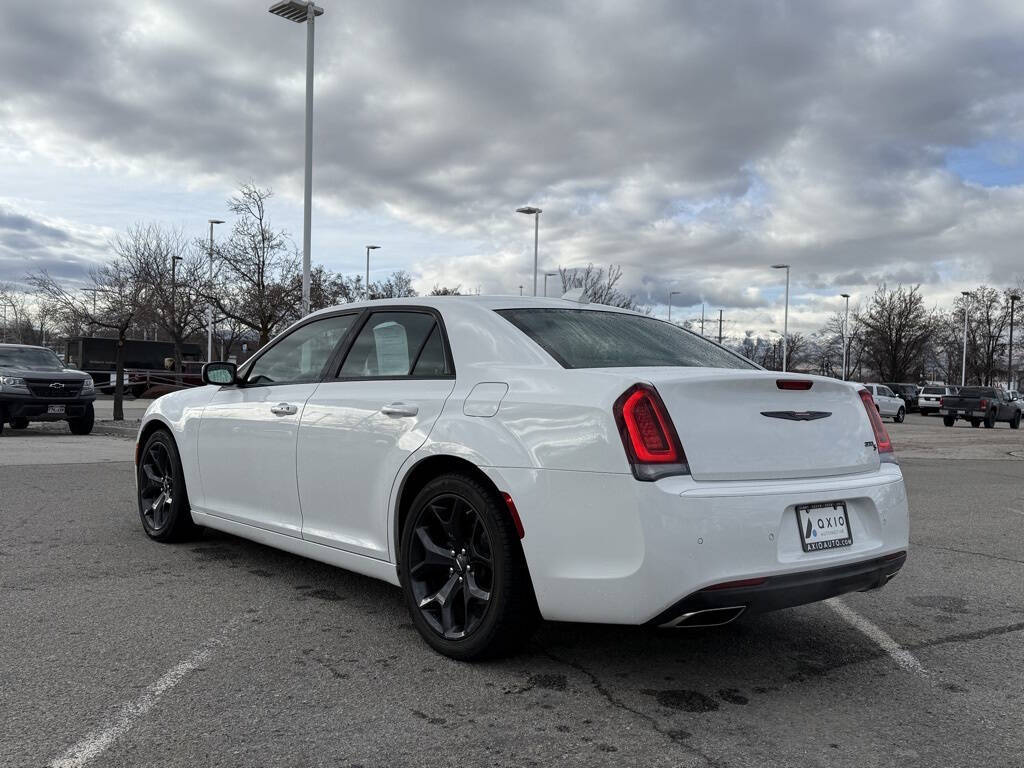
point(797, 415)
point(56, 385)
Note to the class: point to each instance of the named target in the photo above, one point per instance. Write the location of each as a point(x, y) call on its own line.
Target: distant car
point(1015, 397)
point(887, 402)
point(35, 386)
point(980, 405)
point(908, 392)
point(930, 398)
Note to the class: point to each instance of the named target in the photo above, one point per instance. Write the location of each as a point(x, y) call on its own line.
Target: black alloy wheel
point(163, 502)
point(451, 568)
point(463, 572)
point(900, 415)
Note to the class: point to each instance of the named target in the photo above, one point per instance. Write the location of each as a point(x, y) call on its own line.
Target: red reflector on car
point(793, 384)
point(882, 441)
point(511, 505)
point(737, 584)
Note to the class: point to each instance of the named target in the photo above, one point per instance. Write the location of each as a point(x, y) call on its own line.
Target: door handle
point(284, 409)
point(397, 410)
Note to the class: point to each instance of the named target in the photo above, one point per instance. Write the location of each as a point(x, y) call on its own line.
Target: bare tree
point(599, 286)
point(117, 290)
point(897, 328)
point(397, 286)
point(444, 290)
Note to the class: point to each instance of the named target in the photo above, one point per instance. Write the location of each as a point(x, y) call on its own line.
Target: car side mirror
point(220, 374)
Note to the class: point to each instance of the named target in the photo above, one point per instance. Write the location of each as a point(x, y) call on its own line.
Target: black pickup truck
point(980, 405)
point(35, 386)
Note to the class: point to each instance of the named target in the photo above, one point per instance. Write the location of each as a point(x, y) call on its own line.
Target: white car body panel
point(888, 404)
point(600, 545)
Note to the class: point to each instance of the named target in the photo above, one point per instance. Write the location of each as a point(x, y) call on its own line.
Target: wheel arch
point(422, 472)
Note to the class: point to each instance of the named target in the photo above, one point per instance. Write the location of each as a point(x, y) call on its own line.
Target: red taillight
point(882, 440)
point(648, 435)
point(793, 384)
point(983, 404)
point(942, 402)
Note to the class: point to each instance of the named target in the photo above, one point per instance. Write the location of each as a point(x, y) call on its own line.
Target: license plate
point(824, 526)
point(55, 409)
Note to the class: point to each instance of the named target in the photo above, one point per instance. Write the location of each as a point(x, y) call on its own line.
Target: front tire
point(990, 420)
point(463, 572)
point(163, 500)
point(900, 416)
point(83, 424)
point(1015, 421)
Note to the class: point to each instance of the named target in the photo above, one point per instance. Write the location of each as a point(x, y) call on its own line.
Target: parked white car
point(931, 398)
point(507, 459)
point(887, 402)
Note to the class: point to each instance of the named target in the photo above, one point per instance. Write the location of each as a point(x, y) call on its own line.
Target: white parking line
point(96, 743)
point(903, 658)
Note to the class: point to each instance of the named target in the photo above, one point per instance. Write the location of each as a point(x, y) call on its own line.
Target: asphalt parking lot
point(117, 651)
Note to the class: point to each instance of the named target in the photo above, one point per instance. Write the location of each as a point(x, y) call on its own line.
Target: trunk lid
point(739, 425)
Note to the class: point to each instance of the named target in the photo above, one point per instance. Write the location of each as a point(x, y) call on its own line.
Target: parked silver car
point(887, 402)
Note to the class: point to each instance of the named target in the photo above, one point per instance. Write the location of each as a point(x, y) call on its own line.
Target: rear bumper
point(608, 548)
point(783, 591)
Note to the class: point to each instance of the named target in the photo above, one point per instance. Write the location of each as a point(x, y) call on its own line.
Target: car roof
point(471, 303)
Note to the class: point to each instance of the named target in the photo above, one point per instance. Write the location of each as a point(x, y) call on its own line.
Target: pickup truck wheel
point(1015, 421)
point(83, 424)
point(19, 423)
point(975, 423)
point(949, 421)
point(900, 416)
point(990, 420)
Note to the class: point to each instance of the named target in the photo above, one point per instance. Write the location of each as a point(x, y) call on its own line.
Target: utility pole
point(702, 318)
point(670, 295)
point(720, 326)
point(209, 305)
point(1014, 298)
point(963, 369)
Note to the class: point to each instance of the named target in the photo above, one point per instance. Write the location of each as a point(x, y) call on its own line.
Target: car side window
point(301, 355)
point(885, 392)
point(396, 344)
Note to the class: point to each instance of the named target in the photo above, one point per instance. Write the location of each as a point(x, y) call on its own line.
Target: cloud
point(693, 144)
point(29, 242)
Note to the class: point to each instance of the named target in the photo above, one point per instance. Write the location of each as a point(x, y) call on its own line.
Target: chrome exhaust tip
point(709, 617)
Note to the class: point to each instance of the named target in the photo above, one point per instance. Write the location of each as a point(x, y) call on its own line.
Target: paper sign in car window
point(392, 349)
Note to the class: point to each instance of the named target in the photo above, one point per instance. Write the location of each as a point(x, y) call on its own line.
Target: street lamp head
point(216, 221)
point(528, 209)
point(845, 295)
point(295, 10)
point(372, 247)
point(1014, 297)
point(966, 293)
point(780, 266)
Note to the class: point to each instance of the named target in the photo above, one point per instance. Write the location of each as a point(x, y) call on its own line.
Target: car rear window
point(934, 391)
point(583, 338)
point(977, 392)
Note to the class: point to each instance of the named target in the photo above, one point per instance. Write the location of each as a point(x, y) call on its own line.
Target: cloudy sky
point(692, 143)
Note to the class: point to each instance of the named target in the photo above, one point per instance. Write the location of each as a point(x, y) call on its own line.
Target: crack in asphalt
point(969, 552)
point(651, 721)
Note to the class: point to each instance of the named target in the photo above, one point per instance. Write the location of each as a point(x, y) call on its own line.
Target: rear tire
point(83, 424)
point(900, 416)
point(163, 499)
point(19, 423)
point(949, 421)
point(478, 603)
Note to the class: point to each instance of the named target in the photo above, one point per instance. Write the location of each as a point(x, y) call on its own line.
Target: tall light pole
point(304, 11)
point(1014, 298)
point(535, 212)
point(209, 304)
point(368, 249)
point(963, 369)
point(670, 295)
point(846, 330)
point(546, 276)
point(785, 321)
point(520, 290)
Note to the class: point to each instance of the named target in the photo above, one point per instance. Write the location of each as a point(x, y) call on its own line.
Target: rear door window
point(396, 345)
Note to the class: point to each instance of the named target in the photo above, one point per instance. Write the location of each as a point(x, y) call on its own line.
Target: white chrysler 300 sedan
point(510, 459)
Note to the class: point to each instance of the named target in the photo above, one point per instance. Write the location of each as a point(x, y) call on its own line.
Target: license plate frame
point(56, 410)
point(834, 522)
